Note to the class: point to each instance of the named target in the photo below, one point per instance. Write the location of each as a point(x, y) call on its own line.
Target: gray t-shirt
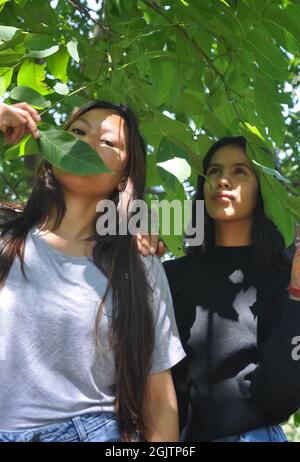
point(50, 367)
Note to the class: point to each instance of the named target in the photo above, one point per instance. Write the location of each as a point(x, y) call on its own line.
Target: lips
point(224, 195)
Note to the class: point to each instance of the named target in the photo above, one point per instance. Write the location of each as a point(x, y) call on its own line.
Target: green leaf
point(29, 95)
point(42, 53)
point(58, 63)
point(174, 243)
point(61, 88)
point(168, 127)
point(178, 167)
point(274, 196)
point(72, 49)
point(40, 46)
point(38, 15)
point(270, 113)
point(67, 153)
point(285, 18)
point(33, 76)
point(7, 33)
point(293, 206)
point(165, 68)
point(214, 126)
point(9, 56)
point(266, 54)
point(22, 3)
point(2, 2)
point(5, 79)
point(37, 42)
point(27, 146)
point(225, 113)
point(272, 172)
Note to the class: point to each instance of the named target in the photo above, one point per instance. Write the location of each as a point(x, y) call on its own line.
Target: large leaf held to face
point(67, 153)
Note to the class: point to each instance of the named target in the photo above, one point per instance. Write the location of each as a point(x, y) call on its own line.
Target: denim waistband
point(77, 428)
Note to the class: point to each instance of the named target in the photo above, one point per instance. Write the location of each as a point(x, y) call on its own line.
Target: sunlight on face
point(106, 132)
point(232, 194)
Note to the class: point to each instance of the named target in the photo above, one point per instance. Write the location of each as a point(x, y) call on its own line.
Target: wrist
point(294, 292)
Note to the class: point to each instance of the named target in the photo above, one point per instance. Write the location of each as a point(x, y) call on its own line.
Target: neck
point(233, 233)
point(78, 221)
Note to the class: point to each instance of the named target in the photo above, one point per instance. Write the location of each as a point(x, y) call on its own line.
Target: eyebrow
point(82, 119)
point(237, 164)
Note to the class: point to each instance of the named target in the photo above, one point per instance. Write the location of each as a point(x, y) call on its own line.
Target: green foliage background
point(193, 70)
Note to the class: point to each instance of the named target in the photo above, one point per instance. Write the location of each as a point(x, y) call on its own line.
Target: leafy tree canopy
point(193, 70)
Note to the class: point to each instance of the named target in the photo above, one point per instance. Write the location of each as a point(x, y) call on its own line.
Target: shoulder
point(182, 266)
point(154, 267)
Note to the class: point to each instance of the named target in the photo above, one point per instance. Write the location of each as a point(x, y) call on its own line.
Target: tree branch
point(86, 12)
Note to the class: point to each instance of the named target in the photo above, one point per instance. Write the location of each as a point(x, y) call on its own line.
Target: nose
point(93, 139)
point(223, 182)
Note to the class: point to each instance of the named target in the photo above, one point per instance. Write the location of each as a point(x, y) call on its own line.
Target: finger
point(16, 133)
point(139, 245)
point(31, 124)
point(7, 135)
point(146, 245)
point(142, 246)
point(33, 112)
point(21, 134)
point(145, 252)
point(153, 243)
point(161, 249)
point(16, 119)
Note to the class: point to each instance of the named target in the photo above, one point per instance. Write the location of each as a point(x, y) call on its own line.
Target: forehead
point(229, 155)
point(105, 120)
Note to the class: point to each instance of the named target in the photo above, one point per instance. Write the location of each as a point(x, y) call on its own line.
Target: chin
point(223, 214)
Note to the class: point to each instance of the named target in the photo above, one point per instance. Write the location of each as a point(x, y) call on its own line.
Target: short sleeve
point(168, 350)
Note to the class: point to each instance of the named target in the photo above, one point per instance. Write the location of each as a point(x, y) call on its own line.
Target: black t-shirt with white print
point(239, 329)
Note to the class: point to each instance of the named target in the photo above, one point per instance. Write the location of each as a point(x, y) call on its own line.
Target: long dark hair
point(268, 243)
point(132, 331)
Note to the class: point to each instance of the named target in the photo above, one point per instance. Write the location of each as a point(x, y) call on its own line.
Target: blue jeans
point(88, 427)
point(271, 434)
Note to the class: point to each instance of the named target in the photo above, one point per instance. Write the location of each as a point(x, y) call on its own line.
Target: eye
point(78, 132)
point(108, 142)
point(240, 170)
point(213, 170)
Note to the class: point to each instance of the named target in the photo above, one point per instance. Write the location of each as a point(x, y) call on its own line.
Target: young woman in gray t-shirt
point(86, 323)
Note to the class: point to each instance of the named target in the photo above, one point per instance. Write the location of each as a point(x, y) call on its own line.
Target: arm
point(271, 388)
point(275, 383)
point(160, 410)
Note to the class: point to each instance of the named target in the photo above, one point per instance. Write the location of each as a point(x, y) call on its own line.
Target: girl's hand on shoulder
point(17, 120)
point(295, 275)
point(150, 245)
